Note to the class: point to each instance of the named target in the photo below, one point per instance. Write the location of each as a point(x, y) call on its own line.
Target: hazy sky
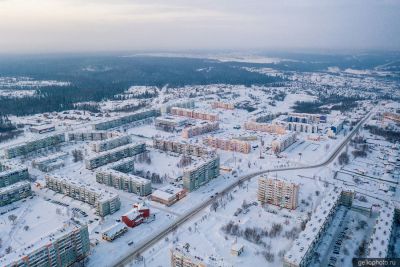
point(109, 25)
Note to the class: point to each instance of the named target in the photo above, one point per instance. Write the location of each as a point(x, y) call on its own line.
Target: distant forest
point(94, 78)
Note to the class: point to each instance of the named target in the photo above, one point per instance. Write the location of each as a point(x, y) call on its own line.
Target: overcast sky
point(110, 25)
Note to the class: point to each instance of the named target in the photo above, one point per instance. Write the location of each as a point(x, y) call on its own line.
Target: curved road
point(157, 236)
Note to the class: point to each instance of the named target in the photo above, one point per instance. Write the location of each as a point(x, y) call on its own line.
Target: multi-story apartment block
point(114, 155)
point(228, 144)
point(381, 235)
point(104, 145)
point(185, 256)
point(105, 203)
point(265, 127)
point(64, 247)
point(282, 142)
point(223, 105)
point(302, 251)
point(278, 192)
point(27, 147)
point(200, 173)
point(302, 127)
point(190, 113)
point(88, 136)
point(137, 116)
point(11, 173)
point(306, 118)
point(181, 147)
point(188, 104)
point(203, 128)
point(170, 123)
point(15, 192)
point(49, 163)
point(122, 181)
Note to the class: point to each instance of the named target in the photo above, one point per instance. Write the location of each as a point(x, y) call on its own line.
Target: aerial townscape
point(199, 133)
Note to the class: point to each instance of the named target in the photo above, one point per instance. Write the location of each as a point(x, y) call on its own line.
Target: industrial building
point(181, 147)
point(28, 147)
point(278, 192)
point(114, 231)
point(51, 162)
point(199, 129)
point(116, 122)
point(12, 173)
point(136, 216)
point(104, 145)
point(15, 192)
point(115, 154)
point(188, 104)
point(88, 136)
point(105, 202)
point(282, 142)
point(200, 173)
point(44, 128)
point(223, 105)
point(272, 128)
point(122, 181)
point(170, 124)
point(228, 144)
point(65, 247)
point(168, 195)
point(302, 251)
point(194, 114)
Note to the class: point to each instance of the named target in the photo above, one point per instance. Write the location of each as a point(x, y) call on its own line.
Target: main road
point(157, 236)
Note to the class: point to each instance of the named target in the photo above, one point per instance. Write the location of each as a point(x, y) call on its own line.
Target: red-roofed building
point(136, 216)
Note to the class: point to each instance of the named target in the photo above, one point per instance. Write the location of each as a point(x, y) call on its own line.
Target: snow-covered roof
point(310, 235)
point(13, 187)
point(114, 229)
point(379, 242)
point(167, 192)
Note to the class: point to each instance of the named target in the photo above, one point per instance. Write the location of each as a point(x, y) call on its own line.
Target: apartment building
point(170, 123)
point(223, 105)
point(15, 192)
point(116, 122)
point(89, 136)
point(278, 192)
point(31, 146)
point(202, 128)
point(108, 144)
point(187, 104)
point(114, 155)
point(228, 144)
point(200, 173)
point(194, 114)
point(302, 251)
point(181, 147)
point(272, 128)
point(12, 173)
point(306, 118)
point(183, 255)
point(51, 162)
point(104, 202)
point(282, 142)
point(64, 247)
point(302, 127)
point(122, 181)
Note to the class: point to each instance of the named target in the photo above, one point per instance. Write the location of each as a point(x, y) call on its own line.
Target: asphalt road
point(157, 236)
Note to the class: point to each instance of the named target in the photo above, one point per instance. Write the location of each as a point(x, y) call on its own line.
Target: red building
point(136, 216)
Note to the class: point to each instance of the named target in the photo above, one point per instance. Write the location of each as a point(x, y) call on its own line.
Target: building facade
point(194, 114)
point(88, 136)
point(111, 143)
point(11, 173)
point(137, 116)
point(203, 128)
point(201, 173)
point(181, 147)
point(280, 144)
point(15, 192)
point(223, 105)
point(228, 144)
point(272, 128)
point(278, 192)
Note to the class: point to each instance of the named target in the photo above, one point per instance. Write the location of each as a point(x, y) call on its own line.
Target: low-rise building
point(136, 216)
point(44, 128)
point(104, 202)
point(168, 195)
point(64, 247)
point(170, 123)
point(114, 231)
point(278, 192)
